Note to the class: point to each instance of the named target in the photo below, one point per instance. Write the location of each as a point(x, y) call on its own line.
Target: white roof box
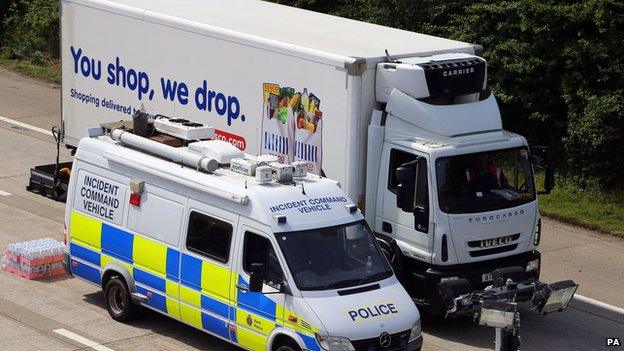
point(443, 75)
point(218, 150)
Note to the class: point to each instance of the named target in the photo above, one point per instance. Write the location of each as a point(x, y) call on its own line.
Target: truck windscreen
point(485, 181)
point(333, 257)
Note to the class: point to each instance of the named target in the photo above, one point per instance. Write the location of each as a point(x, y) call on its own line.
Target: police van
point(254, 252)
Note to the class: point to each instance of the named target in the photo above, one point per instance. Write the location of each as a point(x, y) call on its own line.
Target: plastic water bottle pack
point(35, 259)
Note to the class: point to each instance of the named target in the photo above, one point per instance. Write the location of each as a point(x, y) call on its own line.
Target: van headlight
point(334, 343)
point(415, 332)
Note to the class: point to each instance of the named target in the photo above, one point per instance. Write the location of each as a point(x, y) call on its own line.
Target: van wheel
point(118, 302)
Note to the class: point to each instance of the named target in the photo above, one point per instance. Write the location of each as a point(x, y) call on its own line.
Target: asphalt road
point(67, 314)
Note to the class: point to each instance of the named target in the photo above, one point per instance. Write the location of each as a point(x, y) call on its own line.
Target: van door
point(206, 269)
point(257, 313)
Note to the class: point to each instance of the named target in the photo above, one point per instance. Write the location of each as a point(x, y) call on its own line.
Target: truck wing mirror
point(405, 197)
point(408, 175)
point(540, 157)
point(256, 277)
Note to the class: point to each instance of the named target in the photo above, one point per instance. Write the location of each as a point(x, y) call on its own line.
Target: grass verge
point(588, 209)
point(50, 72)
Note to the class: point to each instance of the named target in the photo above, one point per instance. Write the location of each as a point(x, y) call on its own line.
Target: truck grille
point(398, 341)
point(494, 245)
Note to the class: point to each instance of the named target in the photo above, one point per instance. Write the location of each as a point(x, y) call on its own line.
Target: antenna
point(303, 189)
point(245, 183)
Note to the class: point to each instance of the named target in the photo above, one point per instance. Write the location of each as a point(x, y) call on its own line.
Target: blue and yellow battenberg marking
point(198, 292)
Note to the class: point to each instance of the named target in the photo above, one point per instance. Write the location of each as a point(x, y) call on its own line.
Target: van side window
point(209, 237)
point(397, 158)
point(258, 249)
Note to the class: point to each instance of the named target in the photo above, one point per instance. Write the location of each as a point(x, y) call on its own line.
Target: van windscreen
point(333, 257)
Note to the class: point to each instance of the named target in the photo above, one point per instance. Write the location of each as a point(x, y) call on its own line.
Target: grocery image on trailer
point(292, 125)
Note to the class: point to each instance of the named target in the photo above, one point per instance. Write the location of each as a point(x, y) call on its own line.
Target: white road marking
point(24, 125)
point(89, 343)
point(600, 304)
point(4, 193)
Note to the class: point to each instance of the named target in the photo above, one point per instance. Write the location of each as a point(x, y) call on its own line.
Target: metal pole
point(506, 340)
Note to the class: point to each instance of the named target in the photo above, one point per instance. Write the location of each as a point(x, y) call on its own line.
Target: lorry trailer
point(405, 122)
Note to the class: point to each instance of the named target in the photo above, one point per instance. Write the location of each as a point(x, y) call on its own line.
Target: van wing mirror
point(540, 158)
point(256, 277)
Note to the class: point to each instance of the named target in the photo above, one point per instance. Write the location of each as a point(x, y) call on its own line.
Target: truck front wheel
point(118, 301)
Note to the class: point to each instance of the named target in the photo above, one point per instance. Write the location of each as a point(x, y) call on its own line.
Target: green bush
point(31, 30)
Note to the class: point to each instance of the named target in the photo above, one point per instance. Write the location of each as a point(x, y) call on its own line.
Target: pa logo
point(613, 342)
point(249, 320)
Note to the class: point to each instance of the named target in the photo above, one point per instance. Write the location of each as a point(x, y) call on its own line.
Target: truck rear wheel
point(118, 301)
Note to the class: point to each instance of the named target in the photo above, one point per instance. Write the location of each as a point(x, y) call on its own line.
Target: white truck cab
point(259, 254)
point(454, 195)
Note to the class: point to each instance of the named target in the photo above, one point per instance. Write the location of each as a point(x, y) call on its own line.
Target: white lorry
point(238, 251)
point(412, 134)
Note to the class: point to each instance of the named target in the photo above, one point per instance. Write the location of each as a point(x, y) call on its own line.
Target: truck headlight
point(415, 332)
point(334, 343)
point(532, 265)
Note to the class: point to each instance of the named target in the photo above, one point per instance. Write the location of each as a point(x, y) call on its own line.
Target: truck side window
point(397, 158)
point(258, 249)
point(209, 237)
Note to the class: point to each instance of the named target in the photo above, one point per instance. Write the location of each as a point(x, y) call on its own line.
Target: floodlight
point(498, 314)
point(555, 297)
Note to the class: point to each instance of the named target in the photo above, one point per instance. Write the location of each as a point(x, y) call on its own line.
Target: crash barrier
point(34, 259)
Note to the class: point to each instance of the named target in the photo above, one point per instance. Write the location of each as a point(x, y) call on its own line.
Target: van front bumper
point(415, 345)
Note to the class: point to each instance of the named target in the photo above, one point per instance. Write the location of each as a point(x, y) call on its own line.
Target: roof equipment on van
point(243, 166)
point(264, 174)
point(282, 173)
point(175, 154)
point(183, 128)
point(219, 150)
point(300, 169)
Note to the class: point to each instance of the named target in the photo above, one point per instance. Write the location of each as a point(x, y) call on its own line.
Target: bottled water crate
point(35, 259)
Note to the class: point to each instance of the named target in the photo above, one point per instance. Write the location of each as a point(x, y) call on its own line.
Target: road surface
point(64, 313)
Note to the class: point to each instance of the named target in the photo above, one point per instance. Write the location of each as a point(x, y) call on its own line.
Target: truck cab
point(455, 193)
